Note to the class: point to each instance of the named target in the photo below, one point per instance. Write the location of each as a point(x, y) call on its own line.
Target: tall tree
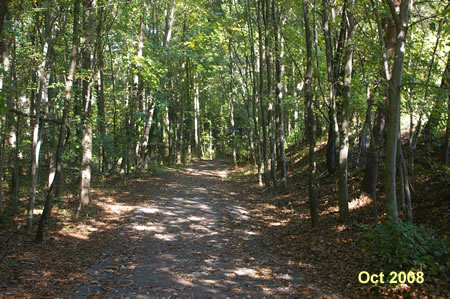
point(64, 124)
point(344, 123)
point(310, 120)
point(400, 15)
point(88, 96)
point(41, 99)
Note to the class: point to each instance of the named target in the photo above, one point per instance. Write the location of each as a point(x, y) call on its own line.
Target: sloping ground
point(54, 267)
point(332, 254)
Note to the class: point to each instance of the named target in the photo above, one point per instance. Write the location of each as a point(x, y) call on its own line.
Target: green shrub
point(396, 246)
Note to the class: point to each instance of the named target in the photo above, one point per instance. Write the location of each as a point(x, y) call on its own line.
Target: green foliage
point(395, 246)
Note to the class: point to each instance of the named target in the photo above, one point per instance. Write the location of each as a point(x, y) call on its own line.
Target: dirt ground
point(200, 231)
point(192, 237)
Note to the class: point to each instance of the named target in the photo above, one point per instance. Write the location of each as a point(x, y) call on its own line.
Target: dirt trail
point(192, 238)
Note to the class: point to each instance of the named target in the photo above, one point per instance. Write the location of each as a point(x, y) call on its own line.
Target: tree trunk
point(101, 91)
point(148, 126)
point(3, 13)
point(138, 92)
point(233, 132)
point(344, 143)
point(369, 183)
point(170, 18)
point(262, 109)
point(279, 50)
point(333, 126)
point(231, 104)
point(372, 166)
point(63, 129)
point(196, 118)
point(435, 115)
point(445, 84)
point(394, 92)
point(86, 143)
point(404, 184)
point(180, 151)
point(41, 98)
point(255, 95)
point(310, 126)
point(270, 116)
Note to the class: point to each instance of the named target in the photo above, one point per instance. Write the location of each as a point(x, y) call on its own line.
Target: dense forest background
point(92, 89)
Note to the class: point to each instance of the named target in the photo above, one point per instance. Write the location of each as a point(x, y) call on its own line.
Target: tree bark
point(262, 109)
point(310, 126)
point(445, 84)
point(101, 91)
point(63, 129)
point(333, 126)
point(196, 117)
point(86, 143)
point(394, 92)
point(270, 116)
point(255, 95)
point(41, 98)
point(138, 92)
point(279, 50)
point(344, 143)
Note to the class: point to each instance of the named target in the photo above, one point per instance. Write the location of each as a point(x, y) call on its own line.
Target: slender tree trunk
point(369, 183)
point(393, 122)
point(3, 13)
point(63, 129)
point(196, 117)
point(405, 191)
point(5, 127)
point(138, 91)
point(254, 94)
point(250, 130)
point(86, 143)
point(372, 166)
point(269, 91)
point(435, 115)
point(231, 105)
point(101, 91)
point(273, 160)
point(333, 126)
point(362, 147)
point(310, 126)
point(15, 181)
point(262, 109)
point(180, 150)
point(170, 19)
point(41, 98)
point(1, 170)
point(166, 136)
point(445, 84)
point(344, 143)
point(279, 50)
point(233, 132)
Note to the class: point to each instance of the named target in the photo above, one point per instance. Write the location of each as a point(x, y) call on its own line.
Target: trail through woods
point(193, 238)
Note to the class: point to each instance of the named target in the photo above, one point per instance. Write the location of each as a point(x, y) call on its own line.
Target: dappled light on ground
point(198, 241)
point(360, 202)
point(51, 269)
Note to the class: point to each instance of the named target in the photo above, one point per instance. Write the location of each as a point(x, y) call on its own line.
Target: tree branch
point(12, 110)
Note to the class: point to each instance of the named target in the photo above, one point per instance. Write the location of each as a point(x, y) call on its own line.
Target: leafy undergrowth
point(333, 253)
point(58, 264)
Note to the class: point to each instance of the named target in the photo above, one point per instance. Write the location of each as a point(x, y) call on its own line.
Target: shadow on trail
point(192, 239)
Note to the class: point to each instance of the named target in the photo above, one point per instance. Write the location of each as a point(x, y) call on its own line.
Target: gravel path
point(192, 238)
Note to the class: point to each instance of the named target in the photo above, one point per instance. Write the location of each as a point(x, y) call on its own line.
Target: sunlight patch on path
point(195, 240)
